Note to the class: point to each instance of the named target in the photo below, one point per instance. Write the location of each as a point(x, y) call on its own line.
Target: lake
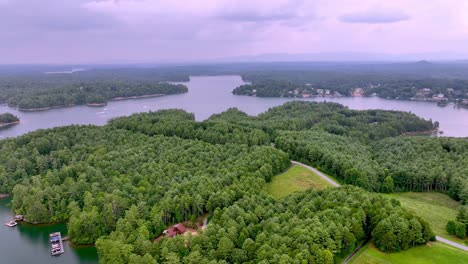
point(212, 94)
point(207, 95)
point(30, 244)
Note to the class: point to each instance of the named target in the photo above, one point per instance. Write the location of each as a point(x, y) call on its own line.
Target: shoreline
point(96, 104)
point(8, 124)
point(136, 97)
point(43, 108)
point(364, 96)
point(4, 195)
point(91, 104)
point(416, 133)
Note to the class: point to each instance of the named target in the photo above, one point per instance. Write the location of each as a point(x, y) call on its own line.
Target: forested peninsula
point(432, 90)
point(7, 119)
point(122, 184)
point(33, 92)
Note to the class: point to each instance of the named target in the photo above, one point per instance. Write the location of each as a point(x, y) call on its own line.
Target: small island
point(8, 119)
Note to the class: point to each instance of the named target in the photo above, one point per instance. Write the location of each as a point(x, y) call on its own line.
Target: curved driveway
point(314, 170)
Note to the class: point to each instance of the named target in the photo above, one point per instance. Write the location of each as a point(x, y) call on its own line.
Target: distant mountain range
point(348, 57)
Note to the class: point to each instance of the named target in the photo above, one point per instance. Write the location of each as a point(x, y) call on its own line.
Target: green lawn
point(433, 253)
point(295, 179)
point(436, 208)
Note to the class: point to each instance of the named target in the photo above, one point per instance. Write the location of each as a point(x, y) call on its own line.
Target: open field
point(436, 208)
point(432, 253)
point(295, 179)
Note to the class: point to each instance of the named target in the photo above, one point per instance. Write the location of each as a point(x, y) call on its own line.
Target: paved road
point(448, 242)
point(314, 170)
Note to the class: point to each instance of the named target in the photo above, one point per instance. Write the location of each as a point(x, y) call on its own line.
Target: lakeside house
point(438, 97)
point(422, 93)
point(358, 92)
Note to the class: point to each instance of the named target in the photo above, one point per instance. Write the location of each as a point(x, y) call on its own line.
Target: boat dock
point(56, 245)
point(12, 223)
point(15, 221)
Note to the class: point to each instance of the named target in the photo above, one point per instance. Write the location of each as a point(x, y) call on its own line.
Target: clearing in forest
point(433, 253)
point(295, 179)
point(435, 208)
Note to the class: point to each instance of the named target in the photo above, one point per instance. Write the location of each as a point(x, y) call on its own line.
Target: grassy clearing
point(295, 179)
point(432, 253)
point(436, 208)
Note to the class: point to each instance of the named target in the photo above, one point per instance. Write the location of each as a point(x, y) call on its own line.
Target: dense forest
point(310, 227)
point(6, 118)
point(32, 90)
point(122, 184)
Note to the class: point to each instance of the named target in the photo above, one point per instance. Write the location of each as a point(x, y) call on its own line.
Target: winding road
point(325, 177)
point(319, 173)
point(453, 244)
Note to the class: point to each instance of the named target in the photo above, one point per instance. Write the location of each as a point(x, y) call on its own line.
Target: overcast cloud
point(81, 31)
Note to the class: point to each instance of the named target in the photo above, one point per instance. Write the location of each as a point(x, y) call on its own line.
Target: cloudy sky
point(81, 31)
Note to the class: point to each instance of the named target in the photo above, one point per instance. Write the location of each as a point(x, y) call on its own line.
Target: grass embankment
point(433, 253)
point(295, 179)
point(436, 208)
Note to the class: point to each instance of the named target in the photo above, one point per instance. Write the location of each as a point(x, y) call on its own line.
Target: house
point(358, 92)
point(174, 230)
point(306, 95)
point(438, 97)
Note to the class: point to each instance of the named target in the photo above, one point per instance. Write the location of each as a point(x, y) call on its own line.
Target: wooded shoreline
point(9, 124)
point(91, 104)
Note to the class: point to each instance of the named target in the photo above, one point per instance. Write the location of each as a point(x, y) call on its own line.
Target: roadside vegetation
point(295, 179)
point(436, 208)
point(432, 253)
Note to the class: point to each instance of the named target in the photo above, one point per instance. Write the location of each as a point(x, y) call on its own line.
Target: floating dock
point(56, 245)
point(12, 223)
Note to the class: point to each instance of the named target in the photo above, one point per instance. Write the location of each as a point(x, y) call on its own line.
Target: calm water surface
point(29, 244)
point(212, 94)
point(207, 95)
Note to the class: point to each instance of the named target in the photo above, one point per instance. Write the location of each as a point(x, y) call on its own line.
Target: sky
point(120, 31)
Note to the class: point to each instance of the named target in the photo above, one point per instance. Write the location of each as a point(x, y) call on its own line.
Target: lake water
point(212, 94)
point(207, 95)
point(29, 244)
